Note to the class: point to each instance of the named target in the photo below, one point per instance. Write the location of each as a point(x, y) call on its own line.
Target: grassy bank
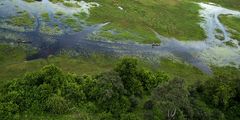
point(14, 65)
point(179, 69)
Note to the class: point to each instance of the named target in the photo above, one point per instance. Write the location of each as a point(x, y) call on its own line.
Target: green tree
point(109, 93)
point(172, 100)
point(128, 70)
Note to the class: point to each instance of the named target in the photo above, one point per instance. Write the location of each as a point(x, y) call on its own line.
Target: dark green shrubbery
point(219, 97)
point(129, 92)
point(42, 91)
point(52, 91)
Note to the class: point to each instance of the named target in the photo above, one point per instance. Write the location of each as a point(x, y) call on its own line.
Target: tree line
point(128, 92)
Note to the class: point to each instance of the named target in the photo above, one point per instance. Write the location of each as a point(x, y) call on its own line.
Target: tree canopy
point(129, 92)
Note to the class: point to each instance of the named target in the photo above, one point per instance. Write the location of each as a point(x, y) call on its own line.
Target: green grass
point(113, 33)
point(56, 1)
point(68, 4)
point(79, 65)
point(10, 54)
point(232, 24)
point(219, 31)
point(171, 18)
point(220, 37)
point(23, 19)
point(76, 116)
point(72, 22)
point(13, 65)
point(81, 15)
point(53, 30)
point(30, 0)
point(45, 17)
point(59, 14)
point(230, 43)
point(187, 72)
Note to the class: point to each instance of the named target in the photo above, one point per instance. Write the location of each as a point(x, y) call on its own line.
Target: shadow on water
point(80, 43)
point(77, 42)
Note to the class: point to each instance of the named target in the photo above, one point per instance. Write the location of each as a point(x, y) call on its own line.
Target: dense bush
point(42, 91)
point(219, 96)
point(129, 92)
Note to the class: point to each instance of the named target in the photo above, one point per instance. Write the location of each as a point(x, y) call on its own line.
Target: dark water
point(80, 43)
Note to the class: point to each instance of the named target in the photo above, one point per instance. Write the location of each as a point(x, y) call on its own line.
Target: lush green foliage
point(127, 92)
point(220, 94)
point(51, 91)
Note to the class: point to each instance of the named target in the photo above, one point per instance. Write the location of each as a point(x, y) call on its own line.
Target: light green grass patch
point(53, 30)
point(73, 23)
point(45, 17)
point(58, 14)
point(178, 69)
point(23, 19)
point(13, 63)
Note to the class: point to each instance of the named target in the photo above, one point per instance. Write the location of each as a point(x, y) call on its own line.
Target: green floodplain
point(102, 87)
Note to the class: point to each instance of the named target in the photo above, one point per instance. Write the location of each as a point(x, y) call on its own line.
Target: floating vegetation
point(53, 30)
point(45, 17)
point(219, 31)
point(56, 1)
point(70, 4)
point(73, 23)
point(23, 19)
point(235, 34)
point(219, 37)
point(6, 25)
point(232, 24)
point(230, 43)
point(126, 35)
point(29, 0)
point(81, 15)
point(9, 37)
point(59, 14)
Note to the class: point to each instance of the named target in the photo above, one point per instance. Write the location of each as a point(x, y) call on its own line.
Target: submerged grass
point(73, 23)
point(232, 24)
point(45, 17)
point(23, 19)
point(59, 14)
point(53, 30)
